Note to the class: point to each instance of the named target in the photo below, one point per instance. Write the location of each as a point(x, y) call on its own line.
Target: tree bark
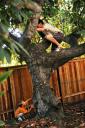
point(43, 97)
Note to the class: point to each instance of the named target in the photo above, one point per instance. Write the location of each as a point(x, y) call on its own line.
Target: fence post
point(54, 82)
point(59, 83)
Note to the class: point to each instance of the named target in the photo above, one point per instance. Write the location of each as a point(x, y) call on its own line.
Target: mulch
point(74, 117)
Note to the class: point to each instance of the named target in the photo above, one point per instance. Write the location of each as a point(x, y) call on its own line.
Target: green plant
point(1, 124)
point(4, 76)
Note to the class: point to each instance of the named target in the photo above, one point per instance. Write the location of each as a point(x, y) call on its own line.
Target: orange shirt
point(20, 110)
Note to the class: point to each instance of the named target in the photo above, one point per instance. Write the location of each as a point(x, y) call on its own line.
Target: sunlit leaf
point(7, 55)
point(4, 76)
point(14, 47)
point(22, 48)
point(1, 54)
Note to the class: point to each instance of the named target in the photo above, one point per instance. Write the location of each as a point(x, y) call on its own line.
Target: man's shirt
point(51, 29)
point(20, 110)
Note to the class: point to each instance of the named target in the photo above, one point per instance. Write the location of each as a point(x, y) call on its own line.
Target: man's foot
point(58, 49)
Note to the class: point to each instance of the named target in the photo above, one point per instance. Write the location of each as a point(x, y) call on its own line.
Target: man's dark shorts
point(59, 37)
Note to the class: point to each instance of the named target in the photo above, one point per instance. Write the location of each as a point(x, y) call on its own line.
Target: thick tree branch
point(31, 26)
point(30, 5)
point(57, 59)
point(72, 39)
point(42, 2)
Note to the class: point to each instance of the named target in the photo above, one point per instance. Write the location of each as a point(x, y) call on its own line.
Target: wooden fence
point(68, 83)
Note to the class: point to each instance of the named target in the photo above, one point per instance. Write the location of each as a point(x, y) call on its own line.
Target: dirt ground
point(73, 117)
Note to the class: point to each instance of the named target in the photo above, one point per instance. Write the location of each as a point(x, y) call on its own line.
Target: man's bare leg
point(53, 40)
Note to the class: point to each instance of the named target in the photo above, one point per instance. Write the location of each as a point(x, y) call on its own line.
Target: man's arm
point(40, 29)
point(28, 100)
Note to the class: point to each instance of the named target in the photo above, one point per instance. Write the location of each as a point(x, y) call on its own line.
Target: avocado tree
point(26, 13)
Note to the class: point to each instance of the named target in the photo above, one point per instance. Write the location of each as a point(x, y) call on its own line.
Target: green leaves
point(82, 32)
point(4, 76)
point(2, 123)
point(5, 53)
point(50, 8)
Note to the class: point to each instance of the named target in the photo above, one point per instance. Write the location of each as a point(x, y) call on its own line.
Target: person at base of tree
point(22, 110)
point(51, 33)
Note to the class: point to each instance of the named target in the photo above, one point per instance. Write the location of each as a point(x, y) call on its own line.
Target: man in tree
point(51, 33)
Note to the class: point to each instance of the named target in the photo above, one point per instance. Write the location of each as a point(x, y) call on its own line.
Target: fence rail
point(68, 83)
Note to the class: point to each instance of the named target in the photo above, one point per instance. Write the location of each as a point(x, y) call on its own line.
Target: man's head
point(40, 21)
point(22, 104)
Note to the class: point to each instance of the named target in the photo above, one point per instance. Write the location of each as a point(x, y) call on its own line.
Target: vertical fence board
point(73, 80)
point(12, 82)
point(62, 73)
point(82, 78)
point(55, 83)
point(78, 75)
point(17, 85)
point(26, 83)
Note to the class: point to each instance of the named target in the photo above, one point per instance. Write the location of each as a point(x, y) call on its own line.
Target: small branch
point(17, 39)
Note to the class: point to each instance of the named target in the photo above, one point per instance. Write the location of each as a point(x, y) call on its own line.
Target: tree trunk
point(43, 98)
